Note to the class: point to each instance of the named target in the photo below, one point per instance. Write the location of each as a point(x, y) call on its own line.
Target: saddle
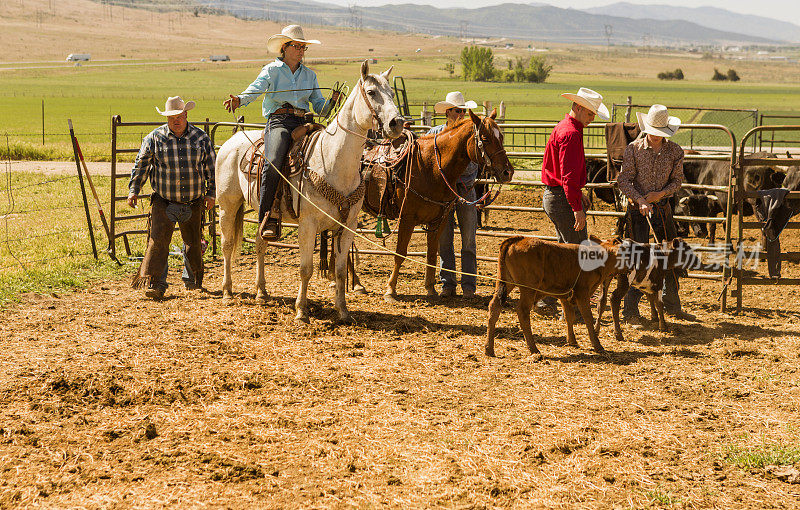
point(385, 164)
point(252, 167)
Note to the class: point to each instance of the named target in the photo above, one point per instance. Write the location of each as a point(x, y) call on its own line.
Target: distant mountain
point(515, 21)
point(711, 17)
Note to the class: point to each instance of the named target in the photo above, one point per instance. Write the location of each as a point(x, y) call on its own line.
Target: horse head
point(377, 110)
point(488, 147)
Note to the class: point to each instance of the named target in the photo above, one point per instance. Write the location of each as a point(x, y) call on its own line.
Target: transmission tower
point(609, 30)
point(462, 28)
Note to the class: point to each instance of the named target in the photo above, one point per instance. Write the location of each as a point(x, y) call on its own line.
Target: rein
point(487, 162)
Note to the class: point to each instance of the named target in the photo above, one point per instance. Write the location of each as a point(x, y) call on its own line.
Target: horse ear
point(493, 115)
point(475, 118)
point(387, 72)
point(365, 69)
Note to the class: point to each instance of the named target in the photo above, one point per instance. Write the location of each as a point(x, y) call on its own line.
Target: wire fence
point(42, 221)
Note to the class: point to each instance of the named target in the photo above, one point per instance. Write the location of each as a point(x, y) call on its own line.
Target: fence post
point(427, 116)
point(112, 244)
point(487, 107)
point(83, 189)
point(628, 109)
point(501, 112)
point(42, 121)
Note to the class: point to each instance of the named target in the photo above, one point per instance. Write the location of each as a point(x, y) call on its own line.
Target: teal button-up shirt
point(277, 76)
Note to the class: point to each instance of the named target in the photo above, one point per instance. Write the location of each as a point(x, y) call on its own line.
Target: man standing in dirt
point(454, 108)
point(178, 158)
point(564, 170)
point(564, 167)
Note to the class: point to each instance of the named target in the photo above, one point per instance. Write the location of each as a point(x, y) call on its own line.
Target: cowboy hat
point(590, 99)
point(175, 106)
point(658, 122)
point(289, 33)
point(454, 100)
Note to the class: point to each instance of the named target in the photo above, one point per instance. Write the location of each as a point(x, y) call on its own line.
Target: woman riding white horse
point(333, 183)
point(284, 111)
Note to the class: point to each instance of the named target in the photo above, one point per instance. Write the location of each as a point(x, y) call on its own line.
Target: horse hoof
point(301, 317)
point(261, 298)
point(360, 290)
point(347, 319)
point(537, 356)
point(391, 299)
point(227, 295)
point(490, 352)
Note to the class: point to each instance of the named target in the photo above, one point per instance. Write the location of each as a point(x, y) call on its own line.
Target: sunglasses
point(458, 111)
point(299, 47)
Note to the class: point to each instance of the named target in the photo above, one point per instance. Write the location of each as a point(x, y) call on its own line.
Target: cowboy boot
point(270, 229)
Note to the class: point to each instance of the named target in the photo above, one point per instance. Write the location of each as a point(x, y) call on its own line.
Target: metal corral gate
point(741, 194)
point(211, 129)
point(114, 218)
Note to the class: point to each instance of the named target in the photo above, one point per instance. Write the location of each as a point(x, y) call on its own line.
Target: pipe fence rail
point(728, 154)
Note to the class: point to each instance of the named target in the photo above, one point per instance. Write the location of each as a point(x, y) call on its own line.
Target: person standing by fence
point(178, 159)
point(652, 170)
point(564, 170)
point(564, 166)
point(454, 107)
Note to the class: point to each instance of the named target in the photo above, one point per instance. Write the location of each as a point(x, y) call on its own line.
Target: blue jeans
point(665, 229)
point(277, 141)
point(468, 223)
point(557, 208)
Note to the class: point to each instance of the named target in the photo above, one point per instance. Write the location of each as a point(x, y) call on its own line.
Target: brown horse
point(425, 197)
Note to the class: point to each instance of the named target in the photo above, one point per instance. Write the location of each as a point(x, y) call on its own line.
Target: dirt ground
point(110, 400)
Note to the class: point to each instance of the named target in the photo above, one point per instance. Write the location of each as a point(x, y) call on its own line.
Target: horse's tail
point(504, 284)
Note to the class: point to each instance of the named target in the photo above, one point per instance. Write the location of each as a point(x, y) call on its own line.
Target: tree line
point(477, 64)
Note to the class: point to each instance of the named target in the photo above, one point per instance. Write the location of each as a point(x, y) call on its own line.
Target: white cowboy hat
point(658, 122)
point(454, 100)
point(175, 106)
point(590, 99)
point(289, 33)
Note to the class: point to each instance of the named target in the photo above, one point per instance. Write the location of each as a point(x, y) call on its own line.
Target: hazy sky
point(785, 10)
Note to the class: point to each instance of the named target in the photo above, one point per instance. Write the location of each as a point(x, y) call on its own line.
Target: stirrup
point(270, 229)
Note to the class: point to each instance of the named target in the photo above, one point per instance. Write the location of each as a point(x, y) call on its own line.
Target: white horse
point(336, 157)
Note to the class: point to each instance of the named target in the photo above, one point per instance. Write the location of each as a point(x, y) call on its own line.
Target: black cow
point(716, 173)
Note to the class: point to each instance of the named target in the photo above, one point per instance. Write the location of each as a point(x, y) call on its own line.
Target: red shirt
point(564, 162)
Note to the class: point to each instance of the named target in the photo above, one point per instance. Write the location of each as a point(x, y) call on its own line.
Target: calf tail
point(504, 284)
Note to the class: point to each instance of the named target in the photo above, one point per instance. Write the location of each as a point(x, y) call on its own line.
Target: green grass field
point(90, 96)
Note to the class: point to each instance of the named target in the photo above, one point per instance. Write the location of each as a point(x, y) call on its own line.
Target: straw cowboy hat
point(658, 122)
point(590, 99)
point(175, 106)
point(289, 33)
point(454, 100)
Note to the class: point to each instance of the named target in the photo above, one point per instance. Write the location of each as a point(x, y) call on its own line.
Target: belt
point(297, 112)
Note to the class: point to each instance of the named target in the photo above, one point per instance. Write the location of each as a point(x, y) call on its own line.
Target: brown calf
point(644, 267)
point(543, 268)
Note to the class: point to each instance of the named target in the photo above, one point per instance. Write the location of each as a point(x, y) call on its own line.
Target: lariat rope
point(389, 251)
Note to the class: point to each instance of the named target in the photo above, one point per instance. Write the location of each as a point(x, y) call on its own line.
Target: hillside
point(518, 21)
point(718, 19)
point(37, 30)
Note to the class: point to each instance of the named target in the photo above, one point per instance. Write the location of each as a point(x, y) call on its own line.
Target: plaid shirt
point(180, 169)
point(644, 170)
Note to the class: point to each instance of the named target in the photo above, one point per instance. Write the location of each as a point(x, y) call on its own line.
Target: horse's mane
point(450, 128)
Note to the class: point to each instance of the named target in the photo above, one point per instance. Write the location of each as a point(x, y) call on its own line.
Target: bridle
point(372, 112)
point(480, 150)
point(480, 153)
